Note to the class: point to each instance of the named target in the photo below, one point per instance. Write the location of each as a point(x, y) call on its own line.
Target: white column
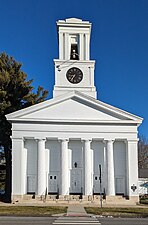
point(61, 47)
point(18, 166)
point(110, 168)
point(64, 168)
point(105, 167)
point(87, 168)
point(87, 46)
point(67, 46)
point(41, 176)
point(132, 167)
point(81, 46)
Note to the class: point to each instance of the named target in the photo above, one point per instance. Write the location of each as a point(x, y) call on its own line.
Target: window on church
point(55, 177)
point(50, 177)
point(95, 178)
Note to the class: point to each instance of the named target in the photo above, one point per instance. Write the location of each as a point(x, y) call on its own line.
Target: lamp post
point(100, 178)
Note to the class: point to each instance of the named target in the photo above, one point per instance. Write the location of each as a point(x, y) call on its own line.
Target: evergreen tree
point(15, 93)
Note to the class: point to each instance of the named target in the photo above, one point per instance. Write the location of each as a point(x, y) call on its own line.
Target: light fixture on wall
point(73, 61)
point(75, 164)
point(133, 187)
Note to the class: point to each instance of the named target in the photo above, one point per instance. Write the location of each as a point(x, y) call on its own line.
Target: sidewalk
point(76, 210)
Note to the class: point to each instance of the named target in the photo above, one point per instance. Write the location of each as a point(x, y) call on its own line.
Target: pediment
point(73, 106)
point(70, 109)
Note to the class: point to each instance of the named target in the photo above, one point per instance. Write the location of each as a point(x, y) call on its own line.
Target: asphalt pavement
point(26, 220)
point(51, 220)
point(123, 221)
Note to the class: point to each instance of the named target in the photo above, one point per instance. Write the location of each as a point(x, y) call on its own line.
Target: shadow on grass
point(31, 210)
point(118, 212)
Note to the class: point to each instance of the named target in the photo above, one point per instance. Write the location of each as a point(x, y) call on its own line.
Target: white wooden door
point(96, 186)
point(76, 181)
point(120, 185)
point(31, 183)
point(52, 183)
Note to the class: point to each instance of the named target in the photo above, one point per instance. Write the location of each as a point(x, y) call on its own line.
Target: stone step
point(76, 199)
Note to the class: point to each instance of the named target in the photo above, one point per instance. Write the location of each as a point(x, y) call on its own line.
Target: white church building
point(66, 145)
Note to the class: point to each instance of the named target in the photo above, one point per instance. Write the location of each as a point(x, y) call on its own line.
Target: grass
point(144, 200)
point(31, 210)
point(118, 212)
point(50, 210)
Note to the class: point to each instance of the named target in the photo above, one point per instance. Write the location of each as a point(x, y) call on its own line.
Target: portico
point(76, 166)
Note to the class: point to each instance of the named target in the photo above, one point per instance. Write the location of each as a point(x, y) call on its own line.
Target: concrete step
point(76, 199)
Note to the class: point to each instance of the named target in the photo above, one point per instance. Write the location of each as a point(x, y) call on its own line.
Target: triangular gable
point(73, 106)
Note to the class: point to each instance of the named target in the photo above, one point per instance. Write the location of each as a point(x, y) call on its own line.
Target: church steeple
point(74, 70)
point(74, 39)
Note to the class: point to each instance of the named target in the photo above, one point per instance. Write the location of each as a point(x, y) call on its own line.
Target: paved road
point(26, 220)
point(125, 221)
point(76, 220)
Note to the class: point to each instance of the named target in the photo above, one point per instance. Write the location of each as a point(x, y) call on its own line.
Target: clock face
point(74, 75)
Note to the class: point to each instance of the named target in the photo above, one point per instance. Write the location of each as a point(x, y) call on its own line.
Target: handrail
point(44, 195)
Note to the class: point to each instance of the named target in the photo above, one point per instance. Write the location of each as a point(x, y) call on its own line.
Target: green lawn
point(50, 210)
point(31, 210)
point(118, 212)
point(144, 200)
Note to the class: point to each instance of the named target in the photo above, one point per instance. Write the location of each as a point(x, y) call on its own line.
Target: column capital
point(40, 139)
point(109, 140)
point(17, 138)
point(86, 140)
point(63, 139)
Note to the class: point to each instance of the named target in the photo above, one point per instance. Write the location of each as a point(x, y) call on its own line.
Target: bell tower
point(74, 70)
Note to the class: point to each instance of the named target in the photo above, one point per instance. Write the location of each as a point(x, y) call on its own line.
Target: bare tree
point(142, 152)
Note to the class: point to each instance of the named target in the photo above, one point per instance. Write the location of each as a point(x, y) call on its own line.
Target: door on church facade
point(52, 183)
point(120, 186)
point(76, 181)
point(31, 183)
point(96, 187)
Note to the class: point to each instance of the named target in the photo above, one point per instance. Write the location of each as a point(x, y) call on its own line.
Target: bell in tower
point(74, 53)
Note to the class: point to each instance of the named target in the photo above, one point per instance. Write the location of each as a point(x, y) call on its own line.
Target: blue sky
point(119, 44)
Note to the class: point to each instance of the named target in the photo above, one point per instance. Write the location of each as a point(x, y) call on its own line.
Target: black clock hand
point(73, 76)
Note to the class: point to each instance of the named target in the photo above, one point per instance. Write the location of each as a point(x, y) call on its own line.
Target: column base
point(64, 197)
point(87, 197)
point(16, 198)
point(133, 199)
